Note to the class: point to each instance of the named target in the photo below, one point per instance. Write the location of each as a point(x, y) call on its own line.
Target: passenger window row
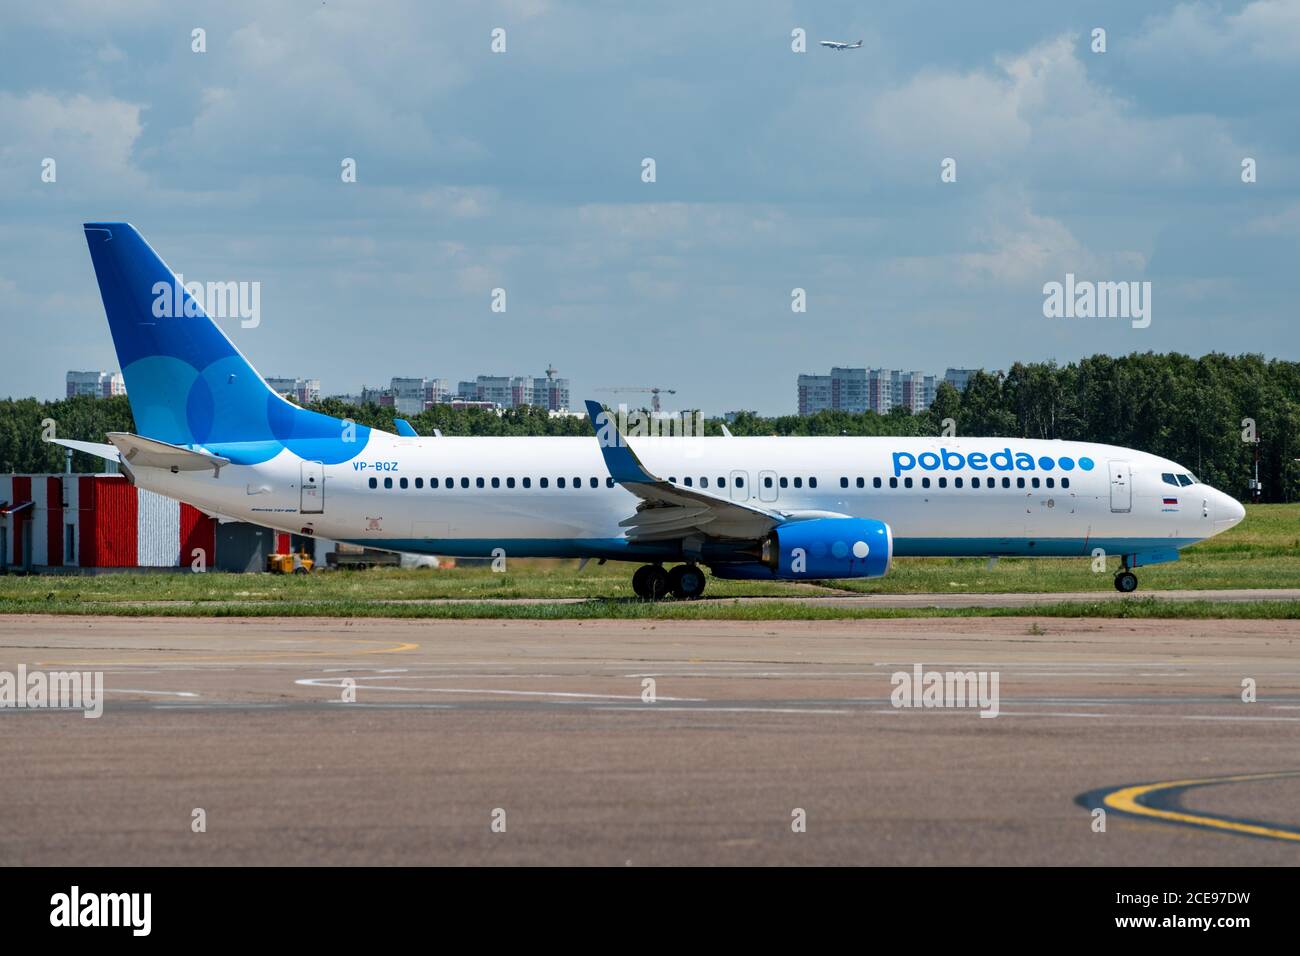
point(797, 482)
point(768, 482)
point(689, 482)
point(960, 482)
point(510, 482)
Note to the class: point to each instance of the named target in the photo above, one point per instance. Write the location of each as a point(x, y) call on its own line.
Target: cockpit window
point(1186, 480)
point(1169, 479)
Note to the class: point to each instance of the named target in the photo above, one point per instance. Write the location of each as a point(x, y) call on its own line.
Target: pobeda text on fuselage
point(212, 433)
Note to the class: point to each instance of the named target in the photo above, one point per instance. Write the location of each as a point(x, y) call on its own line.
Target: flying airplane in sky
point(212, 433)
point(840, 44)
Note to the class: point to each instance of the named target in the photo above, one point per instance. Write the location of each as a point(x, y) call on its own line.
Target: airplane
point(840, 44)
point(213, 434)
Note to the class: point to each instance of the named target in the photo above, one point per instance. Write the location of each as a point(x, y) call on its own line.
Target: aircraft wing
point(668, 512)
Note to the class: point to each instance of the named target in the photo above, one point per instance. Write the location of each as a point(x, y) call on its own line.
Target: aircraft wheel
point(639, 582)
point(1126, 582)
point(686, 582)
point(650, 582)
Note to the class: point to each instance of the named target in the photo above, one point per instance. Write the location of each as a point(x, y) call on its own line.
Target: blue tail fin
point(186, 381)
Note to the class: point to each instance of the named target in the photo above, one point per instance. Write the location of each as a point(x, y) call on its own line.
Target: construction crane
point(654, 390)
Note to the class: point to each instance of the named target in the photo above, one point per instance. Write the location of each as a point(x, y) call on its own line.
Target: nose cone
point(1228, 511)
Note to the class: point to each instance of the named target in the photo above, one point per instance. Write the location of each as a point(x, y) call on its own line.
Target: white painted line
point(392, 706)
point(725, 673)
point(1003, 712)
point(650, 708)
point(161, 693)
point(325, 682)
point(219, 706)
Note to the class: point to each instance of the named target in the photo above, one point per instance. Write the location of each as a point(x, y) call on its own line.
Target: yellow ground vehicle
point(293, 563)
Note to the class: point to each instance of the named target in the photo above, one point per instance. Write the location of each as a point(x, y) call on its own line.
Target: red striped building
point(50, 522)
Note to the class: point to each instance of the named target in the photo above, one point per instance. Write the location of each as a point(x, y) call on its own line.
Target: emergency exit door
point(312, 488)
point(739, 481)
point(1121, 487)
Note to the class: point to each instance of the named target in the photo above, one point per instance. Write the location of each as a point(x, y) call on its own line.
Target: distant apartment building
point(380, 395)
point(911, 390)
point(859, 389)
point(410, 396)
point(849, 389)
point(959, 378)
point(504, 390)
point(551, 393)
point(304, 391)
point(843, 390)
point(814, 394)
point(438, 391)
point(95, 384)
point(880, 391)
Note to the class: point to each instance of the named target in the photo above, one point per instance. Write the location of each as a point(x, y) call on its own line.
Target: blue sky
point(775, 170)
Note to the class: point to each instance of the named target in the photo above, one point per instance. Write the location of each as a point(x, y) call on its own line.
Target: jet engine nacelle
point(819, 548)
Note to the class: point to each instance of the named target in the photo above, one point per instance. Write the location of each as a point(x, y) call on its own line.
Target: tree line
point(1201, 412)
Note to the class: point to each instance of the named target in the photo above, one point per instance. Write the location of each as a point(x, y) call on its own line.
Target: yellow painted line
point(1128, 800)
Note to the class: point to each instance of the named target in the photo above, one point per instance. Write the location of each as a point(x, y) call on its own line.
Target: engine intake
point(829, 548)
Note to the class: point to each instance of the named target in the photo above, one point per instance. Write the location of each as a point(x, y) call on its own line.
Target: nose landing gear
point(651, 582)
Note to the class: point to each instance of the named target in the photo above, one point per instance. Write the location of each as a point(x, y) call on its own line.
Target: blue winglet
point(622, 462)
point(404, 428)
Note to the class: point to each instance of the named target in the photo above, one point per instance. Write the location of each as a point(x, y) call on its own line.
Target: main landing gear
point(652, 582)
point(1126, 581)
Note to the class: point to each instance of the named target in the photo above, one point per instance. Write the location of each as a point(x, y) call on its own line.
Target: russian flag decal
point(1171, 501)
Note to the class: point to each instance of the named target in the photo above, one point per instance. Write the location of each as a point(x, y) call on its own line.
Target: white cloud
point(1041, 111)
point(1266, 30)
point(1008, 243)
point(91, 140)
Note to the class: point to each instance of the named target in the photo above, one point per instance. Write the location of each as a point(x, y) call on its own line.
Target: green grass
point(1262, 552)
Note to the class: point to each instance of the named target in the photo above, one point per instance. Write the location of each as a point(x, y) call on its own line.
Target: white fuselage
point(553, 496)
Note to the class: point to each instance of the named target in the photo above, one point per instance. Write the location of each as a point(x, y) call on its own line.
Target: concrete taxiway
point(910, 600)
point(462, 728)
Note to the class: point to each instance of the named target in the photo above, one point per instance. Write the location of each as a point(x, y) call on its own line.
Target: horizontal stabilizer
point(140, 452)
point(98, 449)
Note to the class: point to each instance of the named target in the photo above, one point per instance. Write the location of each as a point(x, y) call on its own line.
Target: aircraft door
point(767, 486)
point(312, 488)
point(1121, 487)
point(740, 486)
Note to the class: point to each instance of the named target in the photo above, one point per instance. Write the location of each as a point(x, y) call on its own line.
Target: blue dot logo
point(1086, 464)
point(1067, 464)
point(1046, 463)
